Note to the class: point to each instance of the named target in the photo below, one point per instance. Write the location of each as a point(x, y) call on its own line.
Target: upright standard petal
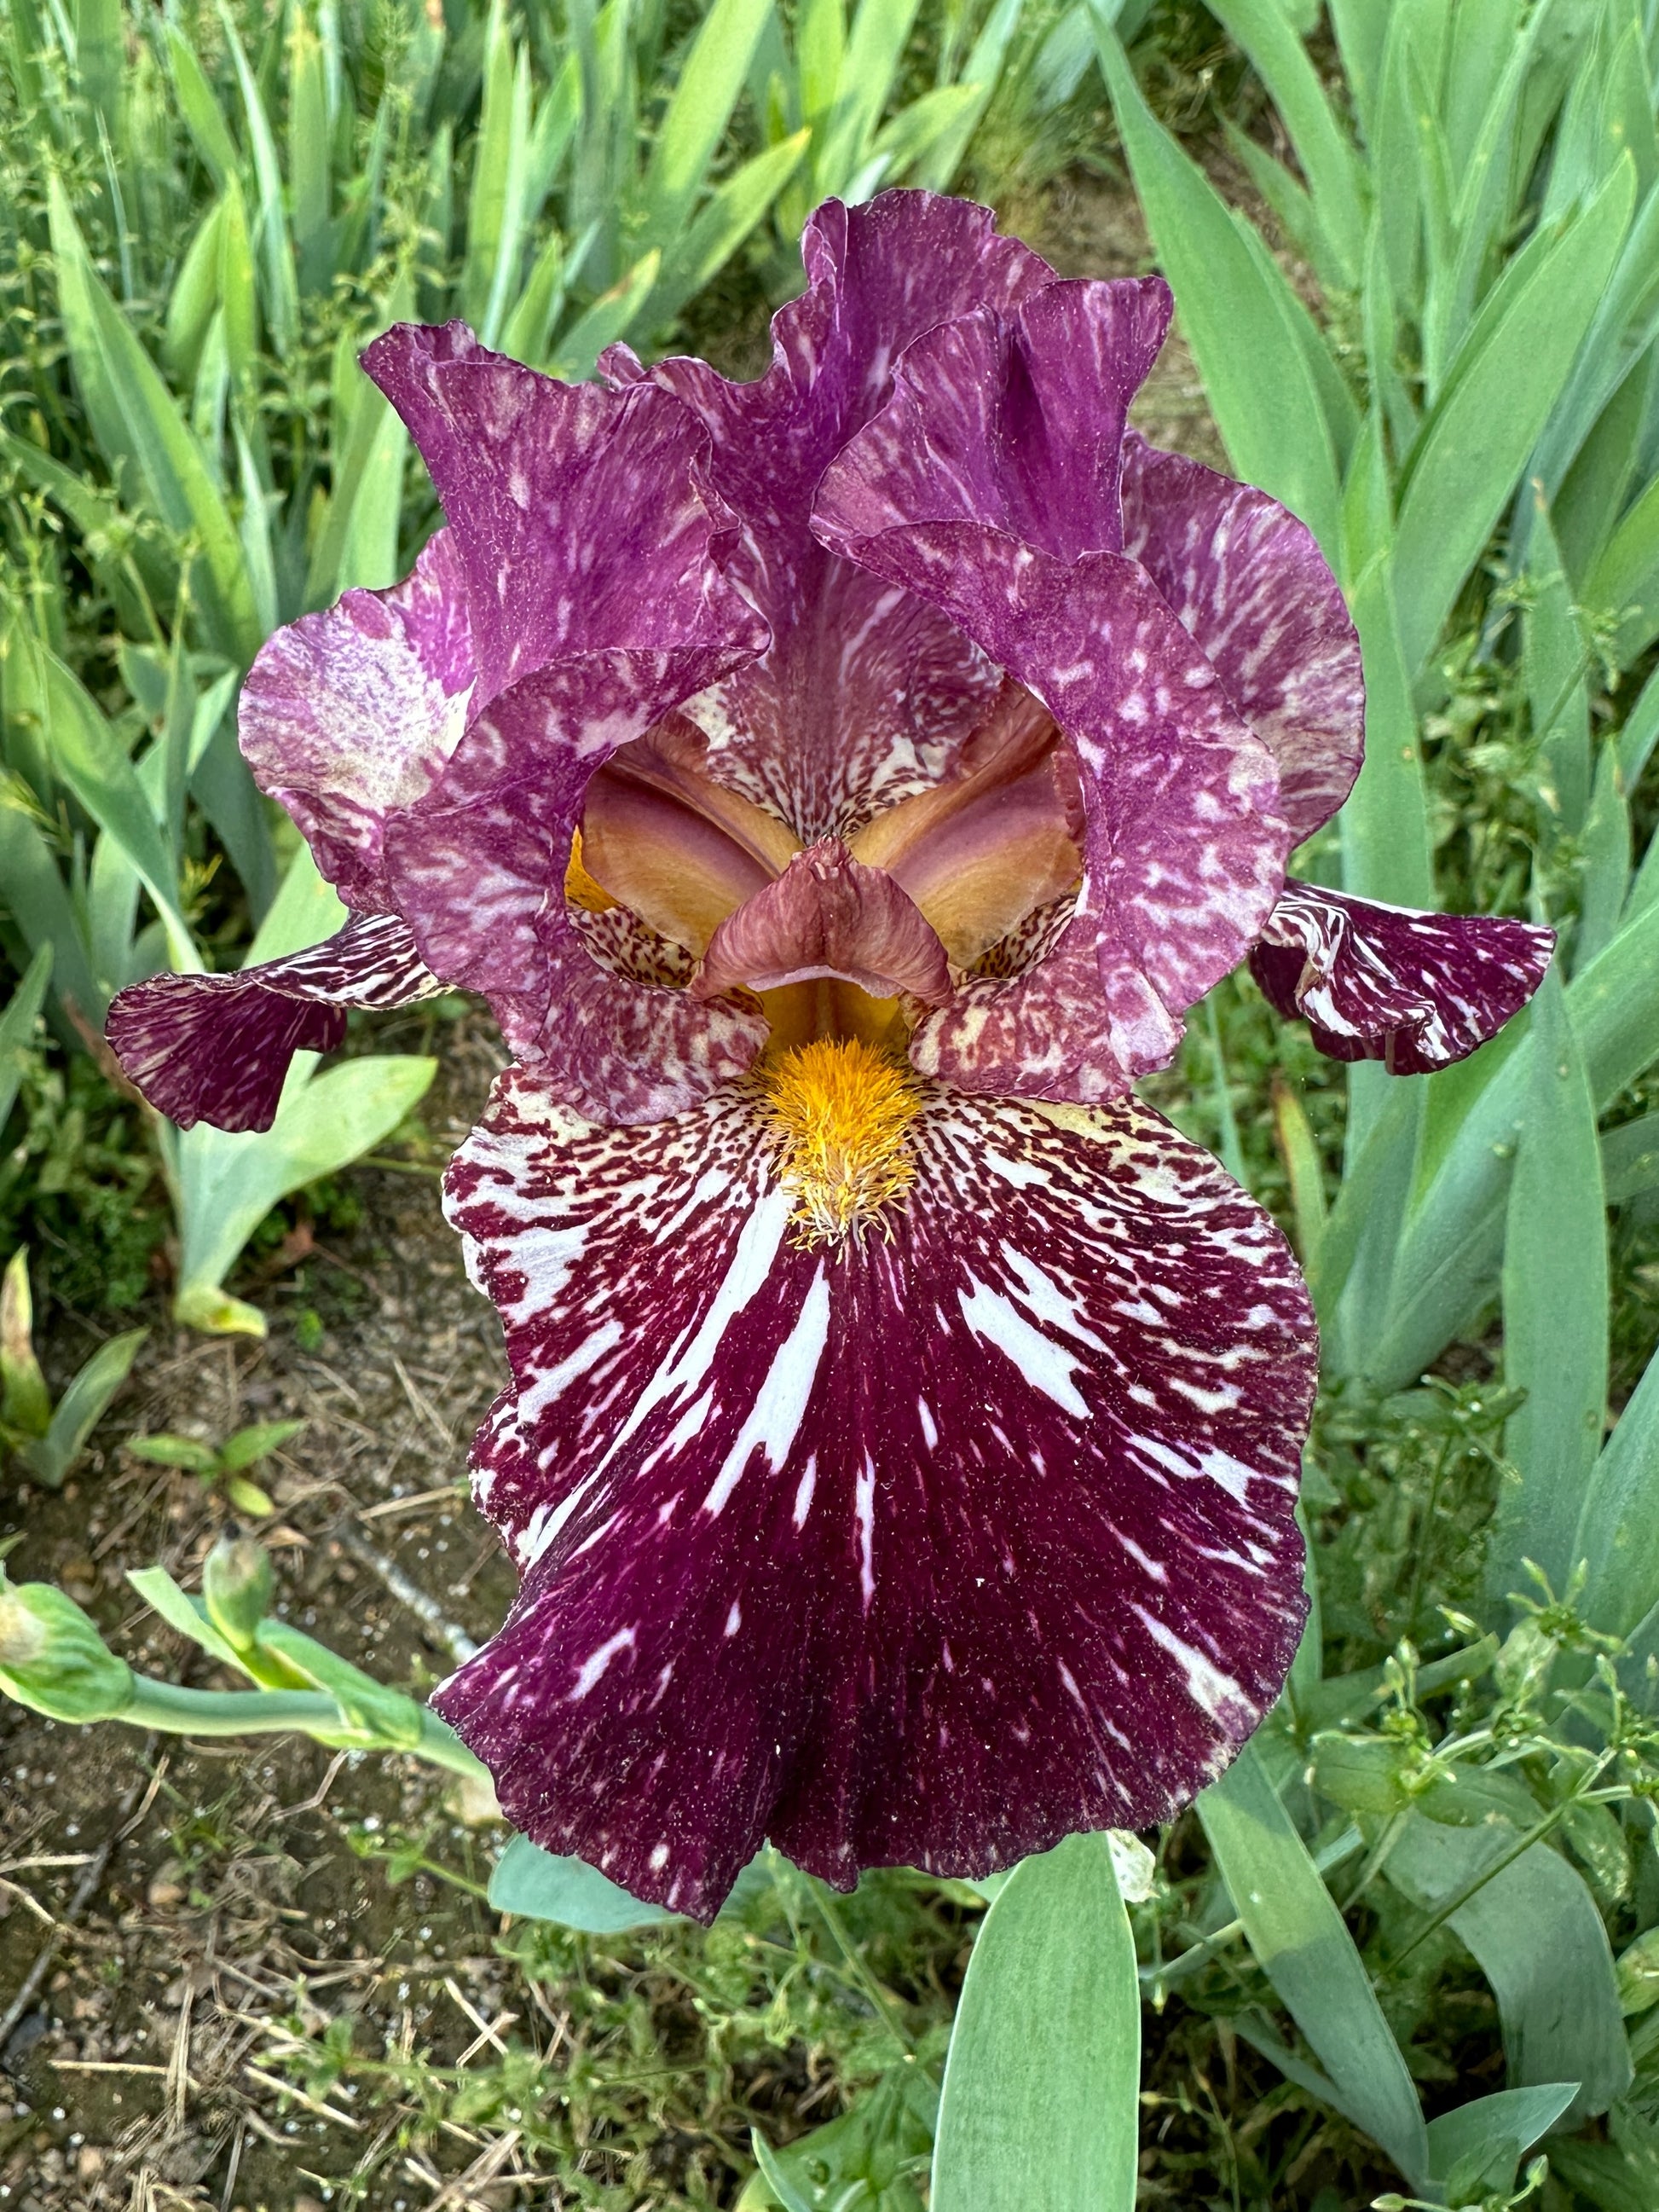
point(1183, 847)
point(931, 1549)
point(1416, 991)
point(594, 551)
point(217, 1047)
point(1250, 585)
point(348, 717)
point(582, 519)
point(866, 694)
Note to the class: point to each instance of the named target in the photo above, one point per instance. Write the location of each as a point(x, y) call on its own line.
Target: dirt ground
point(222, 1874)
point(173, 1914)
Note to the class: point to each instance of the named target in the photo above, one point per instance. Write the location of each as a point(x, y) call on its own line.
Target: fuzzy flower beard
point(840, 786)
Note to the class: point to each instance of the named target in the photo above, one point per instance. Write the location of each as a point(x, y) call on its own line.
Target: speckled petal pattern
point(348, 716)
point(866, 694)
point(217, 1047)
point(582, 520)
point(1014, 421)
point(593, 550)
point(1184, 846)
point(1416, 991)
point(1248, 580)
point(931, 1550)
point(484, 877)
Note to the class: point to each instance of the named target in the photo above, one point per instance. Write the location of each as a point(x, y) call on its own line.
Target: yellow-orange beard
point(839, 1112)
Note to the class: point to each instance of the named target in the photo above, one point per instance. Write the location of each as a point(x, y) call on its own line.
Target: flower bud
point(54, 1659)
point(236, 1585)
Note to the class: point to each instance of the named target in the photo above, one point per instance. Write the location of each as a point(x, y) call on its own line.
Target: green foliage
point(226, 1464)
point(191, 250)
point(45, 1438)
point(1437, 1860)
point(1491, 248)
point(1038, 2107)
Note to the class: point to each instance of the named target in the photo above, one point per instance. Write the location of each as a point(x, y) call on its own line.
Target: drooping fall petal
point(217, 1047)
point(1249, 583)
point(348, 717)
point(928, 1550)
point(1415, 990)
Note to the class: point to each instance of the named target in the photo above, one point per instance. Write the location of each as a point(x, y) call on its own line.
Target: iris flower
point(839, 786)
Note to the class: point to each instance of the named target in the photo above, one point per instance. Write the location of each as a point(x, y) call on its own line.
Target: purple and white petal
point(217, 1047)
point(479, 868)
point(1416, 991)
point(866, 694)
point(1182, 849)
point(1250, 582)
point(1184, 845)
point(582, 519)
point(1014, 421)
point(1001, 836)
point(930, 1550)
point(593, 549)
point(348, 716)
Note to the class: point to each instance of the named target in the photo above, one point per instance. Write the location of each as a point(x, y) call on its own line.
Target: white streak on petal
point(803, 1490)
point(775, 1417)
point(1144, 1560)
point(595, 1662)
point(863, 1513)
point(1044, 1365)
point(1039, 1290)
point(751, 1261)
point(556, 1380)
point(1212, 1691)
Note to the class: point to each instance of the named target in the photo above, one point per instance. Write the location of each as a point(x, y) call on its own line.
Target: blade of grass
point(1232, 312)
point(709, 87)
point(135, 413)
point(276, 247)
point(1497, 395)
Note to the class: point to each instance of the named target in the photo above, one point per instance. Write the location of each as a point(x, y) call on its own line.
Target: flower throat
point(839, 1114)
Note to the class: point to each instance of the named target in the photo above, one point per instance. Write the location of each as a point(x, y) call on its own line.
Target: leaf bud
point(54, 1659)
point(236, 1586)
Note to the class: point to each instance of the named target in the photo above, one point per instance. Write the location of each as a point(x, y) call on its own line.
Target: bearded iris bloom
point(839, 786)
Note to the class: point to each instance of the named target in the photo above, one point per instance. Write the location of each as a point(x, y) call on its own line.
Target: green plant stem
point(1424, 1537)
point(1160, 1978)
point(177, 1711)
point(1523, 1842)
point(1375, 1859)
point(865, 1980)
